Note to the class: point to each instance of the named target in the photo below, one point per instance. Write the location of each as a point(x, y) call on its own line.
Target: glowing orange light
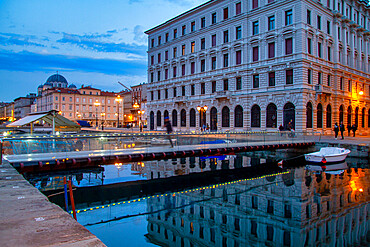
point(361, 190)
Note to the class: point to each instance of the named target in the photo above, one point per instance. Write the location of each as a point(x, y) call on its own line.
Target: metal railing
point(141, 141)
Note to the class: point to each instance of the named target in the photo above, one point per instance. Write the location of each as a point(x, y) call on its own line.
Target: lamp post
point(202, 111)
point(102, 122)
point(136, 106)
point(96, 104)
point(140, 123)
point(118, 100)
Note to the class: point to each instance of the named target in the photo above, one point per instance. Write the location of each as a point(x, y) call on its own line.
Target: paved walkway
point(358, 140)
point(27, 218)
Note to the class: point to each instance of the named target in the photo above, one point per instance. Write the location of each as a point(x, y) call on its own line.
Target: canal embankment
point(27, 218)
point(359, 146)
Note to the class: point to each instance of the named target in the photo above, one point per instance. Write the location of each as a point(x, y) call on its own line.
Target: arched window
point(341, 114)
point(192, 117)
point(238, 122)
point(289, 115)
point(151, 120)
point(309, 115)
point(349, 115)
point(363, 118)
point(356, 116)
point(174, 118)
point(271, 113)
point(256, 116)
point(225, 117)
point(159, 122)
point(183, 118)
point(328, 116)
point(165, 114)
point(319, 116)
point(213, 118)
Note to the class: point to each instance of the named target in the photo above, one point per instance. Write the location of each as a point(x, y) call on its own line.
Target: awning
point(26, 120)
point(59, 121)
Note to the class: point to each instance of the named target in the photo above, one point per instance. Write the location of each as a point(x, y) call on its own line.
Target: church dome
point(57, 78)
point(48, 84)
point(72, 86)
point(41, 86)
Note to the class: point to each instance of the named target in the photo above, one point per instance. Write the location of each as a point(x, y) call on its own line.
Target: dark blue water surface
point(300, 206)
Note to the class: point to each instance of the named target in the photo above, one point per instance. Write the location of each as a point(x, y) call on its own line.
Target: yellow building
point(97, 107)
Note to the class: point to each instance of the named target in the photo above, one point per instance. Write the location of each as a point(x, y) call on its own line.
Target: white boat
point(327, 155)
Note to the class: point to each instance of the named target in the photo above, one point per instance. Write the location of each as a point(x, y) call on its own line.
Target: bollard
point(65, 193)
point(72, 200)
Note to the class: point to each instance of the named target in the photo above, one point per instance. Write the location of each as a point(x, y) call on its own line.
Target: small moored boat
point(327, 155)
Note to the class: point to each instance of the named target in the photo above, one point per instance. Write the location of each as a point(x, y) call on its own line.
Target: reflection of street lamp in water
point(96, 104)
point(118, 100)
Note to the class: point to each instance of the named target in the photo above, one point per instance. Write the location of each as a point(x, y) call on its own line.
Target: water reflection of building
point(187, 165)
point(50, 181)
point(297, 209)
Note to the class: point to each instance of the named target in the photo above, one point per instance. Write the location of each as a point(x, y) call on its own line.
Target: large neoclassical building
point(253, 65)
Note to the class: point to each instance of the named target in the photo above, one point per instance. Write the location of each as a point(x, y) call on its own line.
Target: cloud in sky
point(18, 39)
point(139, 34)
point(95, 42)
point(28, 61)
point(105, 41)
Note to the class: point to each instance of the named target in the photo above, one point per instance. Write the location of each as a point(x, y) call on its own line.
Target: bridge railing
point(141, 141)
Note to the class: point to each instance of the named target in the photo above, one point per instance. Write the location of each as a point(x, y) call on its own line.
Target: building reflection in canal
point(306, 207)
point(125, 172)
point(302, 208)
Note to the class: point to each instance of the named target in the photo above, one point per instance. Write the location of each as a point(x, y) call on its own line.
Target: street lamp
point(118, 100)
point(102, 122)
point(96, 104)
point(136, 106)
point(140, 123)
point(202, 111)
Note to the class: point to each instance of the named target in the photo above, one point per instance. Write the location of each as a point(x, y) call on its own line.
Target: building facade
point(22, 106)
point(139, 99)
point(7, 112)
point(86, 103)
point(255, 65)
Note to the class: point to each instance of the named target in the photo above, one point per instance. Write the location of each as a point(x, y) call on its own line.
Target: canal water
point(230, 200)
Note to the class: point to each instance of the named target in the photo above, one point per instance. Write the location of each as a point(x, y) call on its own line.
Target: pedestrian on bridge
point(167, 125)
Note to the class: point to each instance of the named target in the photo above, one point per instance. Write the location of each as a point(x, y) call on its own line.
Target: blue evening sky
point(90, 42)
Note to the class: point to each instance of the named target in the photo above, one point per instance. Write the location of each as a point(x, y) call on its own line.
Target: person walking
point(281, 129)
point(167, 125)
point(342, 129)
point(336, 130)
point(354, 128)
point(349, 129)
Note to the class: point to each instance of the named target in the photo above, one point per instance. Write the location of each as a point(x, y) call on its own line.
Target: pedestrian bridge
point(63, 151)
